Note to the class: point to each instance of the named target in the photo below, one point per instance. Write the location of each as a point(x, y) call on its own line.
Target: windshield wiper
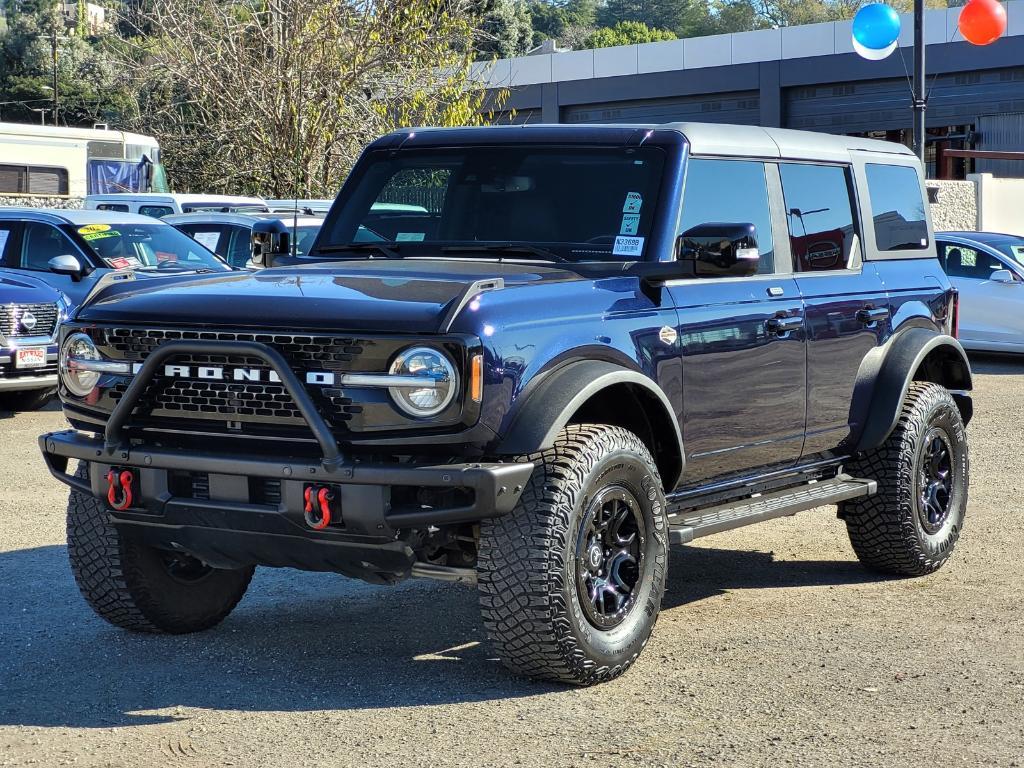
point(533, 250)
point(390, 251)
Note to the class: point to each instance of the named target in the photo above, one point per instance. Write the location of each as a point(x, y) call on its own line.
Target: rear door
point(990, 312)
point(741, 338)
point(845, 303)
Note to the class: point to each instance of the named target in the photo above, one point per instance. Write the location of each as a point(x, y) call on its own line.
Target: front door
point(741, 338)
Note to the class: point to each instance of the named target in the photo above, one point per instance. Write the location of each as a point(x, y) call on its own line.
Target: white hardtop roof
point(725, 139)
point(82, 134)
point(181, 197)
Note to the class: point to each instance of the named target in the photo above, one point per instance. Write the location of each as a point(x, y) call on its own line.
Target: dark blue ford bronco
point(530, 358)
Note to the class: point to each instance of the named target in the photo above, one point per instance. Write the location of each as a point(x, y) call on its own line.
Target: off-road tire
point(886, 530)
point(127, 582)
point(527, 580)
point(27, 400)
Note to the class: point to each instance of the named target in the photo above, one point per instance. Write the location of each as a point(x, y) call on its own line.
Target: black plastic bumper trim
point(496, 487)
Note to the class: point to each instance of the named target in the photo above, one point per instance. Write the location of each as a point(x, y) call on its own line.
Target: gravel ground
point(774, 647)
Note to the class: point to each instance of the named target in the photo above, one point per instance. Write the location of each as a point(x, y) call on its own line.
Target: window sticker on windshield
point(124, 262)
point(100, 235)
point(630, 223)
point(409, 237)
point(633, 203)
point(162, 256)
point(628, 246)
point(90, 229)
point(207, 239)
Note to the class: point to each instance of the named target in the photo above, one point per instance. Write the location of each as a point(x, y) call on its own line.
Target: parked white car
point(159, 204)
point(988, 270)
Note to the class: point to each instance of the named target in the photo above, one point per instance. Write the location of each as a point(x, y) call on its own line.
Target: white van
point(158, 205)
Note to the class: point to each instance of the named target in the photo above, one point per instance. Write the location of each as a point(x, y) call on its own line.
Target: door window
point(730, 191)
point(819, 209)
point(7, 243)
point(240, 250)
point(112, 207)
point(42, 242)
point(962, 261)
point(897, 207)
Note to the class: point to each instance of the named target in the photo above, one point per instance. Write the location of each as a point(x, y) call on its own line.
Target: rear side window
point(112, 207)
point(37, 180)
point(730, 191)
point(819, 208)
point(898, 207)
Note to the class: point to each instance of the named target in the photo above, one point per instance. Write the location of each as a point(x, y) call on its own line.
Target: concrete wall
point(955, 205)
point(40, 201)
point(1000, 203)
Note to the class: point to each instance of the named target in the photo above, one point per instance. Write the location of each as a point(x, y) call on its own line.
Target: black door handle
point(782, 324)
point(870, 315)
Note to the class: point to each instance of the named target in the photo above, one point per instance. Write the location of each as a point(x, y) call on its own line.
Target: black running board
point(689, 525)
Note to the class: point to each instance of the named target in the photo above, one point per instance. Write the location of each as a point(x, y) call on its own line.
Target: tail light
point(953, 315)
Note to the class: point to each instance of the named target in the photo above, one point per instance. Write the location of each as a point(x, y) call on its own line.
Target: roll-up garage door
point(876, 105)
point(739, 107)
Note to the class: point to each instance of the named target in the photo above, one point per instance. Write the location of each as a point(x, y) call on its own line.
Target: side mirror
point(66, 265)
point(720, 249)
point(999, 276)
point(269, 239)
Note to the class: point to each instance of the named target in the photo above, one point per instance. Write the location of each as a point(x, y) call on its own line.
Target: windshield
point(1014, 249)
point(570, 204)
point(148, 247)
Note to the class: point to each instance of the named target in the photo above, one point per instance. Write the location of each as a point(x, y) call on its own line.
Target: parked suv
point(29, 314)
point(580, 345)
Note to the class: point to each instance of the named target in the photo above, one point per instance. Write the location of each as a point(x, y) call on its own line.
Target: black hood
point(407, 296)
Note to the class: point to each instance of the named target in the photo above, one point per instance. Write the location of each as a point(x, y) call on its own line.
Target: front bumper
point(14, 379)
point(234, 524)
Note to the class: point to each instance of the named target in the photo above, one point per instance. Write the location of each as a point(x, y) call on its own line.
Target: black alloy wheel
point(610, 556)
point(935, 480)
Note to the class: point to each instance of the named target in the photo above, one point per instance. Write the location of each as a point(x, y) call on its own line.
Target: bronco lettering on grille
point(219, 373)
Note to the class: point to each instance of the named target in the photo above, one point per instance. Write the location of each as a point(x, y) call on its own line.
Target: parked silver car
point(988, 270)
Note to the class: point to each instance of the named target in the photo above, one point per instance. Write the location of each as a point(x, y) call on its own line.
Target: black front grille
point(303, 352)
point(233, 406)
point(15, 320)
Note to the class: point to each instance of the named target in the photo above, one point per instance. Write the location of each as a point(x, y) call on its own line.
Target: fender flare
point(903, 358)
point(550, 405)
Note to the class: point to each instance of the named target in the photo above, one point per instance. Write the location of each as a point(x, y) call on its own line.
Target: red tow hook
point(318, 506)
point(119, 488)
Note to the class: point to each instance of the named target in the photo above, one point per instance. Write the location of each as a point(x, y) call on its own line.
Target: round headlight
point(429, 381)
point(77, 347)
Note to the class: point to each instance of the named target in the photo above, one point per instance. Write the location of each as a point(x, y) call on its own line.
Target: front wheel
point(571, 581)
point(143, 588)
point(909, 528)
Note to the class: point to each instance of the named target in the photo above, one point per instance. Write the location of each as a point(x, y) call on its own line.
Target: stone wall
point(40, 201)
point(955, 205)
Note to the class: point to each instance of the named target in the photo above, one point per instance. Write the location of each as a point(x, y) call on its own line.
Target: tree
point(280, 96)
point(505, 27)
point(627, 33)
point(684, 17)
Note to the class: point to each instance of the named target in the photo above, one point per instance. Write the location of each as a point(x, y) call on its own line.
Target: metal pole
point(56, 100)
point(919, 102)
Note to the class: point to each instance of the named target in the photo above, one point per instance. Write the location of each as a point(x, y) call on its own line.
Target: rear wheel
point(139, 587)
point(910, 527)
point(571, 581)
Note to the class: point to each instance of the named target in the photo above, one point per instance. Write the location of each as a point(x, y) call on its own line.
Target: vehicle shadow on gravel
point(297, 642)
point(995, 364)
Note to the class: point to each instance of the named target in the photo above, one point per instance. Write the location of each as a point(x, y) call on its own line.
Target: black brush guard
point(229, 529)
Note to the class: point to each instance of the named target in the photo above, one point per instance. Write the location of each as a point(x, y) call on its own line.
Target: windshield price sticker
point(633, 203)
point(90, 229)
point(628, 246)
point(630, 223)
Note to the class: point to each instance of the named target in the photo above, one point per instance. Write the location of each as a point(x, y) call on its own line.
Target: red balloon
point(982, 21)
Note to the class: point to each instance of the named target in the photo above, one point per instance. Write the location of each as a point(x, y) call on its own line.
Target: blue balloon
point(876, 26)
